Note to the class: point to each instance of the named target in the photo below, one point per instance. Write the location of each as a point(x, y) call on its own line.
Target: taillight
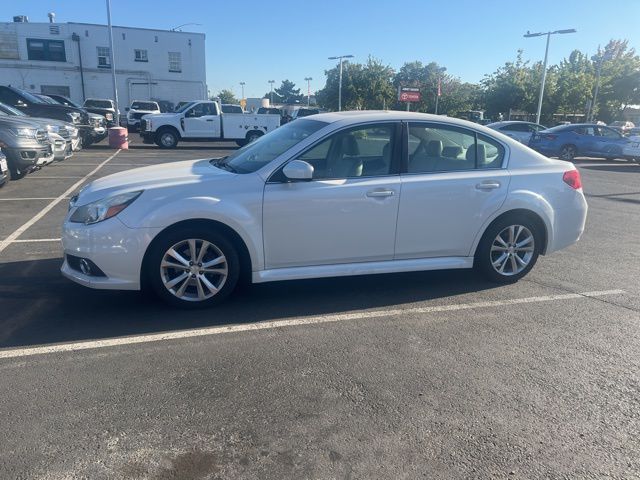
point(572, 178)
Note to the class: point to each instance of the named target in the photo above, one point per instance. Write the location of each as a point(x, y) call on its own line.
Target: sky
point(256, 41)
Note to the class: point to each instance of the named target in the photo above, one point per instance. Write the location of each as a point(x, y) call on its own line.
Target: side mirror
point(126, 109)
point(298, 171)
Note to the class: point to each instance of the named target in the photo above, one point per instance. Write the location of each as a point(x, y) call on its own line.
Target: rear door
point(455, 179)
point(586, 141)
point(610, 142)
point(202, 121)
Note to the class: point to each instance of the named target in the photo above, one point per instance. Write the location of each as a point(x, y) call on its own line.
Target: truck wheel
point(167, 139)
point(241, 143)
point(253, 135)
point(16, 173)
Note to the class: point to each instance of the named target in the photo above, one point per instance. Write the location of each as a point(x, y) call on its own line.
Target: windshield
point(66, 102)
point(98, 103)
point(144, 106)
point(257, 154)
point(9, 110)
point(184, 107)
point(30, 97)
point(46, 99)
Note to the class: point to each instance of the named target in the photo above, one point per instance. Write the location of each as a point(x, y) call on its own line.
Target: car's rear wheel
point(193, 267)
point(568, 152)
point(509, 249)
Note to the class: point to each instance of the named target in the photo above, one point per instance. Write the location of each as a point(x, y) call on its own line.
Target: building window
point(140, 55)
point(49, 50)
point(104, 57)
point(175, 62)
point(62, 90)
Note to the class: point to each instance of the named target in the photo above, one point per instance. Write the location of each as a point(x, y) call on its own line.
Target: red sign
point(409, 94)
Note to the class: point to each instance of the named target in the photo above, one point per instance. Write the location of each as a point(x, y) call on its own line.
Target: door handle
point(380, 193)
point(209, 120)
point(491, 185)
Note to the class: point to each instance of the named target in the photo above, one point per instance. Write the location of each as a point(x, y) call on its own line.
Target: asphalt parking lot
point(421, 375)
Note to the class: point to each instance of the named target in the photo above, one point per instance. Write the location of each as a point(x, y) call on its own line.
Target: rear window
point(98, 103)
point(144, 106)
point(232, 109)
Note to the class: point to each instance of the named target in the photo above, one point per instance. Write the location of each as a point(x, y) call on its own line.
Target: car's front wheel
point(167, 138)
point(568, 152)
point(193, 267)
point(508, 250)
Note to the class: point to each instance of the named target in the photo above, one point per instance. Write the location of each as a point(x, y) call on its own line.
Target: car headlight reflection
point(103, 209)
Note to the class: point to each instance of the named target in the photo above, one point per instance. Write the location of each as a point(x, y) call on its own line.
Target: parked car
point(230, 108)
point(56, 129)
point(104, 107)
point(622, 126)
point(203, 121)
point(166, 106)
point(139, 109)
point(633, 132)
point(33, 106)
point(520, 131)
point(331, 195)
point(269, 111)
point(4, 169)
point(585, 139)
point(24, 143)
point(631, 151)
point(98, 124)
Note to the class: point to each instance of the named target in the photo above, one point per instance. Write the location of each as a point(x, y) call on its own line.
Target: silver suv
point(24, 143)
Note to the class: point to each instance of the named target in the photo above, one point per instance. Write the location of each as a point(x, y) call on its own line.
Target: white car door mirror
point(298, 170)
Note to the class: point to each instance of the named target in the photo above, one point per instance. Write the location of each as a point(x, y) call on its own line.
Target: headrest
point(482, 154)
point(434, 148)
point(349, 146)
point(451, 152)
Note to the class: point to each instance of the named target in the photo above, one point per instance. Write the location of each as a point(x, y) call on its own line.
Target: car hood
point(146, 112)
point(19, 121)
point(168, 175)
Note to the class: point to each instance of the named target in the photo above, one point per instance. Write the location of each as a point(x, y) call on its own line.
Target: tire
point(16, 173)
point(253, 135)
point(568, 152)
point(167, 138)
point(195, 290)
point(491, 250)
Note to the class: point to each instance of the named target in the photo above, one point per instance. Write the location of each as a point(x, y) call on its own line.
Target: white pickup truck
point(203, 121)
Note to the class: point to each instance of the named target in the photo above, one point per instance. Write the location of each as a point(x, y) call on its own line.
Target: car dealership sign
point(409, 94)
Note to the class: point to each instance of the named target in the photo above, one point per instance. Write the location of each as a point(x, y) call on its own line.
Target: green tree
point(286, 93)
point(227, 96)
point(574, 77)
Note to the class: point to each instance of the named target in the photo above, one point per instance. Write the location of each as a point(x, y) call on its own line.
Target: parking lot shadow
point(39, 306)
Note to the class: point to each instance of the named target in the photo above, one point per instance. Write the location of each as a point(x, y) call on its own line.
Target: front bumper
point(27, 158)
point(113, 247)
point(62, 150)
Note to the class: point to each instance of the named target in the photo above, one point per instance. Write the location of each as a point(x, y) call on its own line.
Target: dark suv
point(34, 107)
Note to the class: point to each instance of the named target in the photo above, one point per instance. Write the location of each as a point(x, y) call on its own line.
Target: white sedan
point(335, 194)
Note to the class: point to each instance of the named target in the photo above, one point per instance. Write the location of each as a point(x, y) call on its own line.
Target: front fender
point(523, 200)
point(246, 221)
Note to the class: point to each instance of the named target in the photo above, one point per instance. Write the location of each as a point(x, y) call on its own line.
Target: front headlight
point(102, 209)
point(109, 116)
point(53, 128)
point(24, 132)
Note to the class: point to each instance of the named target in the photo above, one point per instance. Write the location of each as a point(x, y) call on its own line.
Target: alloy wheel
point(194, 270)
point(512, 250)
point(167, 139)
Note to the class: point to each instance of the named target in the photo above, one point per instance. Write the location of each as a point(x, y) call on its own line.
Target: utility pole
point(544, 68)
point(441, 70)
point(308, 80)
point(340, 57)
point(242, 84)
point(271, 93)
point(113, 65)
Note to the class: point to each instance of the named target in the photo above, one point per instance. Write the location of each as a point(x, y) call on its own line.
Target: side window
point(516, 127)
point(586, 131)
point(196, 111)
point(444, 148)
point(608, 133)
point(357, 152)
point(533, 128)
point(208, 109)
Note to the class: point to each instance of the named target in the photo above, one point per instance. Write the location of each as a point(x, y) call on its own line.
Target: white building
point(73, 59)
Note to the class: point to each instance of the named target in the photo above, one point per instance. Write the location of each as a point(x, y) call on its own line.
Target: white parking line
point(208, 331)
point(11, 238)
point(39, 177)
point(30, 240)
point(27, 198)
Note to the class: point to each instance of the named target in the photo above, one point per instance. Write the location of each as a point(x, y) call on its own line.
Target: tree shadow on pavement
point(39, 306)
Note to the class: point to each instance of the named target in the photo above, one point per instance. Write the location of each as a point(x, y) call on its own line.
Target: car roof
point(358, 116)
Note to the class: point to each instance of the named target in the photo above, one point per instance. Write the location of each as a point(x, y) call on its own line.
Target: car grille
point(42, 137)
point(143, 125)
point(98, 121)
point(64, 133)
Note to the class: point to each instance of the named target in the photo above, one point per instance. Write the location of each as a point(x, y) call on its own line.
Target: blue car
point(580, 139)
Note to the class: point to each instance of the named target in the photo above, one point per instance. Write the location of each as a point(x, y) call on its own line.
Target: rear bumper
point(569, 222)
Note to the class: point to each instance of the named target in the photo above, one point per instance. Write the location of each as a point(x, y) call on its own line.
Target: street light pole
point(604, 56)
point(544, 68)
point(340, 57)
point(271, 93)
point(308, 80)
point(242, 84)
point(113, 65)
point(440, 71)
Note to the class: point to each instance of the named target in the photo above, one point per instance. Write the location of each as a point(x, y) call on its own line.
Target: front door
point(347, 212)
point(202, 121)
point(454, 183)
